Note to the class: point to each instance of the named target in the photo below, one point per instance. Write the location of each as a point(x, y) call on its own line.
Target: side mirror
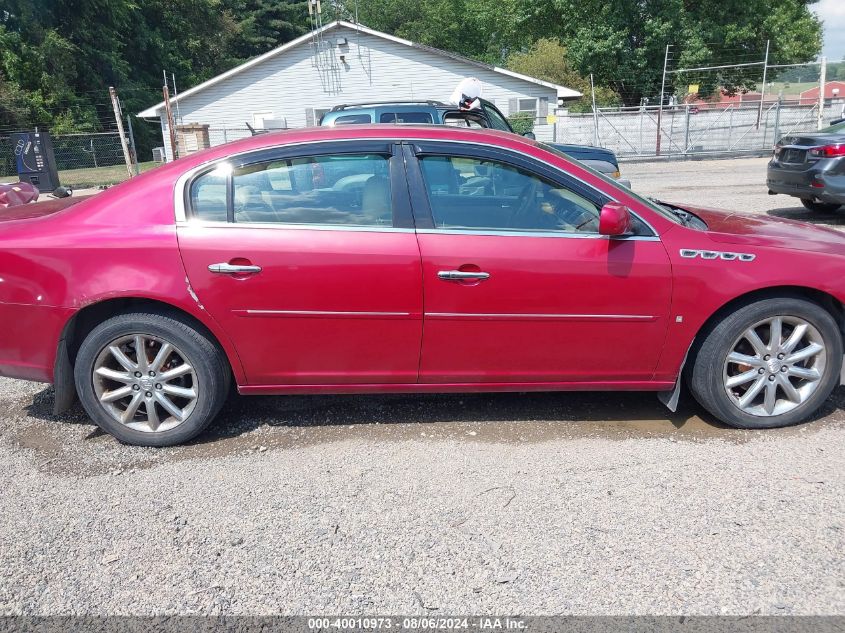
point(530, 135)
point(615, 219)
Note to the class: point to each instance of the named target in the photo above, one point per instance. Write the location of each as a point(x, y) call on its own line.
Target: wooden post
point(170, 124)
point(119, 119)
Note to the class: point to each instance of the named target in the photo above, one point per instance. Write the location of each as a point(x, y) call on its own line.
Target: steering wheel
point(528, 198)
point(570, 213)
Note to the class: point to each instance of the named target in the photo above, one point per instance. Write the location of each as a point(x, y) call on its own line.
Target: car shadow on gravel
point(837, 218)
point(500, 417)
point(71, 444)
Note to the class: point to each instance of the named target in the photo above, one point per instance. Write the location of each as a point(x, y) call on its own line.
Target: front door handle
point(462, 275)
point(232, 269)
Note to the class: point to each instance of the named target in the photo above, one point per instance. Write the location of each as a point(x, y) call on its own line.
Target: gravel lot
point(528, 504)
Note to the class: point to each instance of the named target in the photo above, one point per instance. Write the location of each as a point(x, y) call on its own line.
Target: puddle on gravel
point(71, 444)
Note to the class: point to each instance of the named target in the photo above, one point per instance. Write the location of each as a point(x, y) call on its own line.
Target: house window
point(528, 105)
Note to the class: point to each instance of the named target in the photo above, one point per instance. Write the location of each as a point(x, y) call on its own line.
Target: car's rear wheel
point(770, 363)
point(820, 207)
point(151, 379)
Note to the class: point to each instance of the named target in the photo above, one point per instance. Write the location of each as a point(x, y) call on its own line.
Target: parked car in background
point(438, 113)
point(468, 261)
point(811, 166)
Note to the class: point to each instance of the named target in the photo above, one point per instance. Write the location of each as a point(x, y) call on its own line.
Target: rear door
point(308, 259)
point(519, 286)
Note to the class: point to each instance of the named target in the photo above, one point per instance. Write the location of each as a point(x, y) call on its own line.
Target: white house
point(294, 84)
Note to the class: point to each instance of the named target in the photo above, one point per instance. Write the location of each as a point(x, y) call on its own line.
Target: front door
point(308, 260)
point(519, 286)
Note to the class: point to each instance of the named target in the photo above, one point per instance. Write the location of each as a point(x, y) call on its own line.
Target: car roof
point(394, 131)
point(410, 104)
point(406, 105)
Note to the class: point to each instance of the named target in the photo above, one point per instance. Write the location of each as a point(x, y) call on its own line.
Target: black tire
point(209, 364)
point(706, 380)
point(820, 207)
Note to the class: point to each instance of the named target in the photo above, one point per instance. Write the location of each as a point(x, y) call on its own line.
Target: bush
point(521, 122)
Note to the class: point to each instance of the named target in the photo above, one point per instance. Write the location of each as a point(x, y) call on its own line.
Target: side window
point(352, 119)
point(208, 196)
point(497, 121)
point(405, 117)
point(479, 194)
point(344, 189)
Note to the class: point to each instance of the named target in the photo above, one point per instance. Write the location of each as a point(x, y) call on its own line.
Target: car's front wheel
point(151, 379)
point(770, 363)
point(820, 207)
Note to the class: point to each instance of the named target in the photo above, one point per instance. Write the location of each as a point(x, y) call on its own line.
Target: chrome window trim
point(210, 224)
point(181, 214)
point(558, 234)
point(552, 168)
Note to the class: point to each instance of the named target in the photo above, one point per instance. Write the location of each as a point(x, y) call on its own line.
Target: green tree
point(480, 29)
point(261, 25)
point(623, 43)
point(547, 59)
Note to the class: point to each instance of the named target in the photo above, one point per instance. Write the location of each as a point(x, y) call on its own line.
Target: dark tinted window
point(352, 119)
point(405, 117)
point(348, 189)
point(477, 194)
point(497, 121)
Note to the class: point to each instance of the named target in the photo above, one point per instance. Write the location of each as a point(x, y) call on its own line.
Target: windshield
point(658, 208)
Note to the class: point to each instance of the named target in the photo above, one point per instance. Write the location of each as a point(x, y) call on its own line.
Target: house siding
point(295, 82)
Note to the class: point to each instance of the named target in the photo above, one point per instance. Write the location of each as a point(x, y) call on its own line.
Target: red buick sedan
point(408, 259)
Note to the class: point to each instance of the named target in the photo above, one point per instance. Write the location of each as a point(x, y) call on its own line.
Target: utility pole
point(119, 119)
point(822, 81)
point(660, 106)
point(170, 124)
point(763, 89)
point(595, 113)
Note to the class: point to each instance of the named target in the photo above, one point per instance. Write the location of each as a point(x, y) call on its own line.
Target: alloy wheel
point(145, 383)
point(775, 366)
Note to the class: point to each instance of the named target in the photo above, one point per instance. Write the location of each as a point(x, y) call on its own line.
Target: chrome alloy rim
point(775, 377)
point(145, 383)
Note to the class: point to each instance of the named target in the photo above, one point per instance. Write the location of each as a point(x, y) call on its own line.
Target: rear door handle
point(460, 275)
point(231, 269)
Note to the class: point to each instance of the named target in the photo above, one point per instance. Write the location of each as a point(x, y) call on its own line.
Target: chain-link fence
point(83, 159)
point(733, 129)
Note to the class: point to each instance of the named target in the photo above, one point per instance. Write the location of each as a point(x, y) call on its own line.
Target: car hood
point(39, 209)
point(764, 230)
point(580, 152)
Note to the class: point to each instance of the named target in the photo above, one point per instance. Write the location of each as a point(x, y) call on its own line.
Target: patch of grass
point(95, 176)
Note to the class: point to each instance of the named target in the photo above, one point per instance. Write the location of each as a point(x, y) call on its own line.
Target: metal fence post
point(730, 125)
point(686, 131)
point(777, 122)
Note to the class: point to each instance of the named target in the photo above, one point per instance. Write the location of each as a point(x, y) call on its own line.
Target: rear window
point(352, 119)
point(405, 117)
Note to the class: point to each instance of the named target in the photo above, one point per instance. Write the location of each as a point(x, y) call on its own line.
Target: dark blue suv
point(438, 113)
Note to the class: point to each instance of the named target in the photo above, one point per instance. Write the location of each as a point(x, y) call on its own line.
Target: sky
point(832, 13)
